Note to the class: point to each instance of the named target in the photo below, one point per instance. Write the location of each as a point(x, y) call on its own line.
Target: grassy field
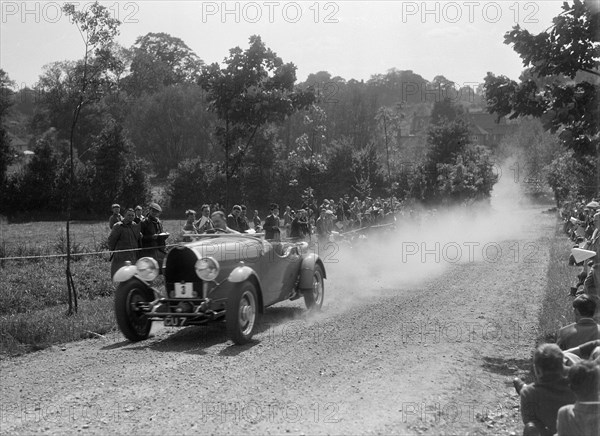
point(33, 292)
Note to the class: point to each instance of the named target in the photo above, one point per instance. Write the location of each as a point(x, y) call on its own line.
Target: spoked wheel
point(242, 313)
point(313, 298)
point(132, 321)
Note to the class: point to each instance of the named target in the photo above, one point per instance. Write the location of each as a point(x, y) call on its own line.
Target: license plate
point(175, 321)
point(184, 290)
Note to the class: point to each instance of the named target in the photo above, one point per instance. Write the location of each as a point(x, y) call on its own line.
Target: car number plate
point(175, 321)
point(184, 290)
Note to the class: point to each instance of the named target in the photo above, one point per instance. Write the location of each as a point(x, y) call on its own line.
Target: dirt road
point(433, 353)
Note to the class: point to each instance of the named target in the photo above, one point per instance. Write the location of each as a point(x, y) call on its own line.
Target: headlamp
point(207, 268)
point(147, 268)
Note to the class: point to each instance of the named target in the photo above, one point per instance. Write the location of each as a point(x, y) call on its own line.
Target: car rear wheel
point(132, 321)
point(242, 313)
point(313, 298)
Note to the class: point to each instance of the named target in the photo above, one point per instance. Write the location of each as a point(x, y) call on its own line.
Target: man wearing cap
point(125, 235)
point(151, 228)
point(233, 218)
point(115, 217)
point(271, 226)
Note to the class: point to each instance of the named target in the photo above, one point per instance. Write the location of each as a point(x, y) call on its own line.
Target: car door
point(277, 273)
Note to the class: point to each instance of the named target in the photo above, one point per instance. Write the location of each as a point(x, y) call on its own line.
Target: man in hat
point(151, 228)
point(271, 226)
point(115, 217)
point(139, 217)
point(125, 235)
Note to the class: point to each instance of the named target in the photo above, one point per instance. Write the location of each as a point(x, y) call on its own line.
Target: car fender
point(243, 273)
point(125, 273)
point(307, 269)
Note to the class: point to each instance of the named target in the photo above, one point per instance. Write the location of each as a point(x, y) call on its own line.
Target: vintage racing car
point(217, 277)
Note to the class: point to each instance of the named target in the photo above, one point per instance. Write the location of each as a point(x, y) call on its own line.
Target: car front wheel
point(132, 321)
point(242, 313)
point(313, 298)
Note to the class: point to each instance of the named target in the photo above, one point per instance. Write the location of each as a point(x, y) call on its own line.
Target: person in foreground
point(541, 400)
point(583, 417)
point(585, 329)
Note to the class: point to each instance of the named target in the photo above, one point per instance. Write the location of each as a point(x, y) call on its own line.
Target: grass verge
point(24, 332)
point(556, 310)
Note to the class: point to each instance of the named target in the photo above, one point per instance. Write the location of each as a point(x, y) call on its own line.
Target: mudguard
point(307, 269)
point(125, 273)
point(242, 273)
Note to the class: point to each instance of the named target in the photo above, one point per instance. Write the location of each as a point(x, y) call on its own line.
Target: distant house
point(485, 129)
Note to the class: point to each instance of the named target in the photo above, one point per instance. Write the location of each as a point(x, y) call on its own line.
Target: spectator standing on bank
point(115, 217)
point(125, 235)
point(287, 221)
point(272, 224)
point(151, 228)
point(257, 221)
point(139, 217)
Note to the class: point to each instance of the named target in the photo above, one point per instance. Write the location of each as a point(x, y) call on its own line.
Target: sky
point(461, 40)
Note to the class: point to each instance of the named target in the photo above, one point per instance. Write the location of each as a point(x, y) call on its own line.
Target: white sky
point(461, 40)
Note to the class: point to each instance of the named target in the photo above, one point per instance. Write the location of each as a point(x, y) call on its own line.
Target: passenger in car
point(220, 222)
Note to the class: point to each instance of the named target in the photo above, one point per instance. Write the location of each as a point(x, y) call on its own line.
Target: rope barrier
point(109, 252)
point(90, 253)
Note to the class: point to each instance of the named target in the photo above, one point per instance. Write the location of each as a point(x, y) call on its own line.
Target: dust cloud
point(424, 248)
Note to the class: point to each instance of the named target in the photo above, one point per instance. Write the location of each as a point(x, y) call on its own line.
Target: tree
point(98, 29)
point(112, 154)
point(34, 188)
point(569, 177)
point(193, 183)
point(469, 177)
point(172, 125)
point(160, 60)
point(6, 101)
point(570, 48)
point(446, 141)
point(446, 110)
point(254, 88)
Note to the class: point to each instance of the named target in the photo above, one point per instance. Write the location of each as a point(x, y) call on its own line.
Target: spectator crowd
point(564, 399)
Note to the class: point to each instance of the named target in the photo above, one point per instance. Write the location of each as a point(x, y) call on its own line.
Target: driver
point(220, 223)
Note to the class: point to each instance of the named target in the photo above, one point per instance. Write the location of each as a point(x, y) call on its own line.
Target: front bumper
point(183, 311)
